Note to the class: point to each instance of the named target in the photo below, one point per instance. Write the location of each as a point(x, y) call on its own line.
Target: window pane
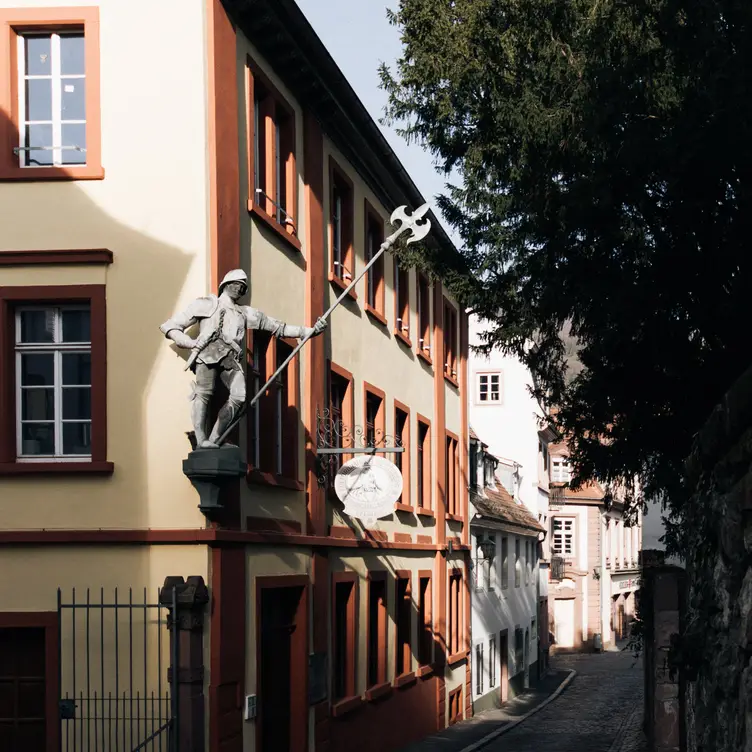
point(77, 368)
point(38, 136)
point(74, 134)
point(38, 326)
point(77, 438)
point(37, 438)
point(37, 369)
point(77, 403)
point(76, 326)
point(73, 98)
point(39, 99)
point(38, 404)
point(38, 55)
point(72, 54)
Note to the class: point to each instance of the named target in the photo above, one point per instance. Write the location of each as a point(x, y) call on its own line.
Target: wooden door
point(282, 685)
point(23, 722)
point(504, 656)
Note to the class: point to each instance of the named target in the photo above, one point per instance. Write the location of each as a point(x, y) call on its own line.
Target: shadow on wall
point(142, 288)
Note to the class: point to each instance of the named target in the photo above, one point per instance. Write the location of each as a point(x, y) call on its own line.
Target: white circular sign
point(368, 486)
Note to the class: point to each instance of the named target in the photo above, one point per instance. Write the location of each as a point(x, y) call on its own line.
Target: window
point(455, 706)
point(483, 565)
point(560, 470)
point(492, 662)
point(343, 636)
point(375, 275)
point(275, 416)
point(488, 390)
point(52, 90)
point(473, 465)
point(374, 414)
point(543, 451)
point(519, 654)
point(563, 536)
point(424, 315)
point(272, 127)
point(341, 227)
point(452, 479)
point(424, 464)
point(377, 628)
point(53, 382)
point(402, 438)
point(527, 562)
point(425, 636)
point(402, 301)
point(504, 562)
point(454, 627)
point(340, 413)
point(479, 669)
point(517, 565)
point(403, 653)
point(53, 400)
point(489, 470)
point(450, 341)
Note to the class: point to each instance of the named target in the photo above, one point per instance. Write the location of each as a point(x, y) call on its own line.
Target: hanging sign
point(368, 486)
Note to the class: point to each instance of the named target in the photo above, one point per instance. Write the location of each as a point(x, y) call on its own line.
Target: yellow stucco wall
point(151, 211)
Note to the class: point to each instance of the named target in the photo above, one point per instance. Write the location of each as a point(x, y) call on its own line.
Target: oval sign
point(368, 486)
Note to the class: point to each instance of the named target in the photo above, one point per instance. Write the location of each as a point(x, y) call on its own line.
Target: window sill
point(403, 338)
point(456, 384)
point(347, 705)
point(342, 285)
point(261, 478)
point(455, 518)
point(404, 680)
point(56, 468)
point(272, 224)
point(425, 512)
point(453, 660)
point(85, 172)
point(379, 318)
point(425, 358)
point(403, 507)
point(424, 672)
point(378, 690)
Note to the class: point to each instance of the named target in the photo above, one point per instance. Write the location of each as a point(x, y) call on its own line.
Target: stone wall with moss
point(714, 652)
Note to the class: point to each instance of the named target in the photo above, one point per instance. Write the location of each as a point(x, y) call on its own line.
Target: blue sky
point(359, 37)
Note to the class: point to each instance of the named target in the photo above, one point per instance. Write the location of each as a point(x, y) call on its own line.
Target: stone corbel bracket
point(209, 471)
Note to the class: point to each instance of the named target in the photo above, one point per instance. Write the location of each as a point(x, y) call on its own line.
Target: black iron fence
point(114, 678)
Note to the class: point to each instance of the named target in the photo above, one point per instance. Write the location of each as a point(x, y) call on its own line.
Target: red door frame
point(48, 620)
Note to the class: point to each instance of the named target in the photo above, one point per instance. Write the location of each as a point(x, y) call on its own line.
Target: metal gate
point(116, 690)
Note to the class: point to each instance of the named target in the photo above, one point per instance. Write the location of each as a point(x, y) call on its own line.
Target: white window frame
point(479, 677)
point(561, 471)
point(492, 658)
point(57, 348)
point(56, 79)
point(567, 529)
point(487, 375)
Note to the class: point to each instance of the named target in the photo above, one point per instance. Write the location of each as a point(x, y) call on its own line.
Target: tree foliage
point(603, 150)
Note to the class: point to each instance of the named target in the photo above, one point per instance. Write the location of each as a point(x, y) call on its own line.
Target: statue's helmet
point(235, 275)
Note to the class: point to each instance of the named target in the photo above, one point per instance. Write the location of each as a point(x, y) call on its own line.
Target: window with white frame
point(561, 471)
point(489, 388)
point(52, 98)
point(492, 661)
point(562, 542)
point(479, 669)
point(53, 382)
point(484, 579)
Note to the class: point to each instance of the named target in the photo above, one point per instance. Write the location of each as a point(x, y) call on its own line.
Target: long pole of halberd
point(385, 246)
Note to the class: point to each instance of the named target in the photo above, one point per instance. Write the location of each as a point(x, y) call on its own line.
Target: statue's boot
point(226, 414)
point(199, 409)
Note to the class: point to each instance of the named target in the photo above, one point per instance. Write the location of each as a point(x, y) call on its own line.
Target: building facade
point(505, 540)
point(320, 633)
point(595, 563)
point(504, 414)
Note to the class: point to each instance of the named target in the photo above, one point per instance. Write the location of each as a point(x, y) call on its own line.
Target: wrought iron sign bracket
point(334, 438)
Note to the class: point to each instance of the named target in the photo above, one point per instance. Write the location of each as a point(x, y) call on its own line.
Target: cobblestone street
point(601, 711)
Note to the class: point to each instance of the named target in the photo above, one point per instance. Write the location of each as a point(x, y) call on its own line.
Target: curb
point(513, 724)
point(620, 739)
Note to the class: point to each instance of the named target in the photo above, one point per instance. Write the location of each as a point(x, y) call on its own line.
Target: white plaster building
point(505, 552)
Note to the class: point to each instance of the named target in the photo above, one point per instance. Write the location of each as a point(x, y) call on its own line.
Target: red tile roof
point(498, 504)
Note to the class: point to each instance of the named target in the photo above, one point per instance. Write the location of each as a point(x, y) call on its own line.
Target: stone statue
point(220, 346)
